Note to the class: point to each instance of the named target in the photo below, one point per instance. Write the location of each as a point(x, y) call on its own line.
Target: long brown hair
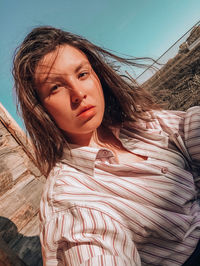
point(124, 99)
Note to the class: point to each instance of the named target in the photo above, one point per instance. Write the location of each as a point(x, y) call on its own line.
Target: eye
point(55, 88)
point(83, 74)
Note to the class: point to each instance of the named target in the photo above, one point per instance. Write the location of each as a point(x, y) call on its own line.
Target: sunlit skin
point(66, 85)
point(72, 93)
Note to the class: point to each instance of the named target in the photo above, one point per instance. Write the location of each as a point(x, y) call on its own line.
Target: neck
point(82, 140)
point(106, 138)
point(101, 137)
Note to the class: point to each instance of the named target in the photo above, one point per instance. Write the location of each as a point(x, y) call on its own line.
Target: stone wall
point(20, 191)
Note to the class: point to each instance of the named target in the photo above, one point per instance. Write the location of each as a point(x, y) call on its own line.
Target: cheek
point(57, 103)
point(97, 85)
point(57, 111)
point(53, 109)
point(99, 91)
point(101, 96)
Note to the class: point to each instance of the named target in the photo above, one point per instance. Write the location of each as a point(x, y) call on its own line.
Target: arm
point(184, 130)
point(83, 231)
point(192, 140)
point(192, 133)
point(84, 236)
point(90, 237)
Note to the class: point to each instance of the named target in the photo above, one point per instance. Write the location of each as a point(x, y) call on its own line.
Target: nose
point(77, 95)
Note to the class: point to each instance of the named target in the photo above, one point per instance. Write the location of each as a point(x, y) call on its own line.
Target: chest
point(127, 157)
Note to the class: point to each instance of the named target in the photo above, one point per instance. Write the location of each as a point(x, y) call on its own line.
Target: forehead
point(65, 57)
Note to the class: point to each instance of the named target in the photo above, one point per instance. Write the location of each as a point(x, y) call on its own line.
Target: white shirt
point(95, 211)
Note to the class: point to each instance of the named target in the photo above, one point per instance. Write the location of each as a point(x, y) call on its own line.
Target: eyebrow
point(59, 77)
point(82, 64)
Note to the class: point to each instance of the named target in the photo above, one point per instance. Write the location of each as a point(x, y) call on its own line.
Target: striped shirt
point(96, 211)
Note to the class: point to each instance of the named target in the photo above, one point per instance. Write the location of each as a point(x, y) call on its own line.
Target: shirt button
point(176, 135)
point(105, 153)
point(164, 170)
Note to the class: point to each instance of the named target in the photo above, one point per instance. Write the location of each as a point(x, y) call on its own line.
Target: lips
point(84, 109)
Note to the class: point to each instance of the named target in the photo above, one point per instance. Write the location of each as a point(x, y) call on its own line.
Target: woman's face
point(71, 92)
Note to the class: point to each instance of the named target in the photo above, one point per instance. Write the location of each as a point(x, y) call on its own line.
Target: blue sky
point(132, 27)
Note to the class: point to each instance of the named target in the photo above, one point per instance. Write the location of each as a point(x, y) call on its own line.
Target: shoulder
point(61, 177)
point(59, 182)
point(159, 120)
point(172, 120)
point(169, 121)
point(174, 114)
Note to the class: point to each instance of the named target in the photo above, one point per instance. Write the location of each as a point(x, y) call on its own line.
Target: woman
point(122, 185)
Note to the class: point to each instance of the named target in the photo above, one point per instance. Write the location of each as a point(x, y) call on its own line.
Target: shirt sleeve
point(192, 141)
point(192, 133)
point(184, 129)
point(79, 234)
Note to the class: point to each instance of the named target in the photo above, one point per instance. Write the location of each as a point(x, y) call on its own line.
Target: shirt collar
point(83, 158)
point(80, 157)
